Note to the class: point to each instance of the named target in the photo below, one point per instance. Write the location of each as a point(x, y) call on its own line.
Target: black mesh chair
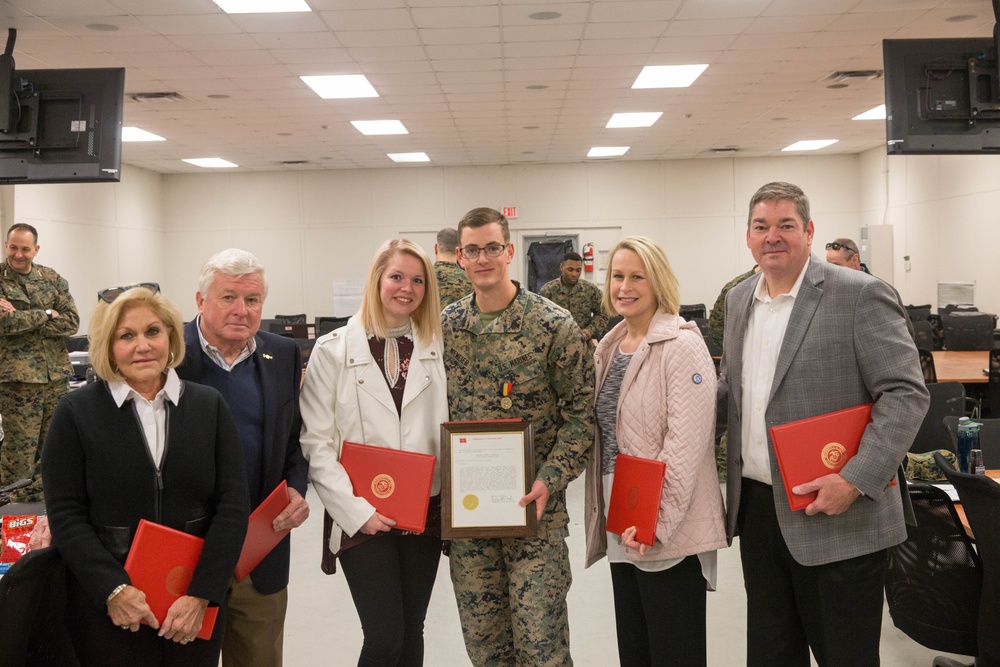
point(934, 579)
point(991, 400)
point(923, 334)
point(325, 325)
point(947, 398)
point(291, 319)
point(692, 310)
point(980, 498)
point(968, 330)
point(927, 365)
point(989, 439)
point(919, 313)
point(33, 613)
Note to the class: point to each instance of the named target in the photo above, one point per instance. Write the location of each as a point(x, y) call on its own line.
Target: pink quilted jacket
point(666, 411)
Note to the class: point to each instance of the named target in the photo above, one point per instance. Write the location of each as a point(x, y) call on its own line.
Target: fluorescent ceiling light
point(643, 119)
point(136, 134)
point(878, 113)
point(408, 157)
point(262, 6)
point(210, 162)
point(810, 145)
point(371, 127)
point(668, 76)
point(340, 86)
point(608, 151)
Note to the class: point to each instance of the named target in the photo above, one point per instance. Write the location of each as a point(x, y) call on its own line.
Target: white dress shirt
point(765, 332)
point(152, 414)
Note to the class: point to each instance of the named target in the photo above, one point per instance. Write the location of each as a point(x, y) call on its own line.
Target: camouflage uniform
point(453, 284)
point(716, 327)
point(582, 300)
point(35, 370)
point(535, 345)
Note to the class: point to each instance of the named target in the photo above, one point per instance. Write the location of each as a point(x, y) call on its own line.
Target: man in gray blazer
point(804, 338)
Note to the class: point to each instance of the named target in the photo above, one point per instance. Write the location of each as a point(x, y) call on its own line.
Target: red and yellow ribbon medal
point(505, 390)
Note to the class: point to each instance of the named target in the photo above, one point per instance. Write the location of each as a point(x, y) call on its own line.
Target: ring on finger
point(124, 626)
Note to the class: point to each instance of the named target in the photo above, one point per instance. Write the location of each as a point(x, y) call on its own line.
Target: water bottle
point(968, 439)
point(976, 464)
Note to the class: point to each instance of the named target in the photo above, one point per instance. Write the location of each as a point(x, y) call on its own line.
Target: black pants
point(660, 616)
point(391, 578)
point(835, 609)
point(101, 643)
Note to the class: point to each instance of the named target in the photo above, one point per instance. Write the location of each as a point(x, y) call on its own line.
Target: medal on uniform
point(506, 388)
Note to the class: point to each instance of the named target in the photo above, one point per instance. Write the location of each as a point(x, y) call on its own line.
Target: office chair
point(990, 404)
point(923, 334)
point(713, 349)
point(934, 579)
point(968, 330)
point(33, 609)
point(989, 439)
point(692, 310)
point(947, 398)
point(291, 319)
point(919, 313)
point(980, 498)
point(926, 364)
point(325, 325)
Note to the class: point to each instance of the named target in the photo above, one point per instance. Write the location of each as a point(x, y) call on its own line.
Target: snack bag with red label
point(16, 532)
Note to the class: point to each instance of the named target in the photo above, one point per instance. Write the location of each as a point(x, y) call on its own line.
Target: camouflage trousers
point(511, 595)
point(27, 410)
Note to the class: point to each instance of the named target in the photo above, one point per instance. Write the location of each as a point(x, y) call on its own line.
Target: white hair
point(231, 262)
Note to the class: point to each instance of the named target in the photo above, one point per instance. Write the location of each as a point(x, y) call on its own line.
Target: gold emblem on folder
point(833, 455)
point(383, 485)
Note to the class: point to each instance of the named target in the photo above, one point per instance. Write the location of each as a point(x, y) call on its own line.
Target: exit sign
point(510, 211)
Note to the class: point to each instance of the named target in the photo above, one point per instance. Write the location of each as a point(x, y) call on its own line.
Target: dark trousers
point(660, 616)
point(391, 578)
point(835, 609)
point(101, 643)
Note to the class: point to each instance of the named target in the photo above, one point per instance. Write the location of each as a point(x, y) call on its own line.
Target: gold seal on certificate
point(486, 468)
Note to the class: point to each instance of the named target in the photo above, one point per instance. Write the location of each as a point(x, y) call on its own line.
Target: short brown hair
point(780, 191)
point(480, 217)
point(106, 317)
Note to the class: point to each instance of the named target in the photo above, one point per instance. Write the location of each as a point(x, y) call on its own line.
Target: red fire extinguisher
point(588, 257)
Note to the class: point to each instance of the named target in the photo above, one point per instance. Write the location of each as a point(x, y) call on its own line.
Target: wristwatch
point(48, 311)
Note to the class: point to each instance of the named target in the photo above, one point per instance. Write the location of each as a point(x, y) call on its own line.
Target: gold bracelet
point(114, 593)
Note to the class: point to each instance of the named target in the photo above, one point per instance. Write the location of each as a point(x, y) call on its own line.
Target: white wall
point(311, 228)
point(95, 235)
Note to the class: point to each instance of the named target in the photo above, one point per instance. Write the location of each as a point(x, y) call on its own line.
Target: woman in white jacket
point(656, 399)
point(380, 381)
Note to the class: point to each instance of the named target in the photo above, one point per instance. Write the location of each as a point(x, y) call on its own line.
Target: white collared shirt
point(216, 356)
point(765, 333)
point(152, 414)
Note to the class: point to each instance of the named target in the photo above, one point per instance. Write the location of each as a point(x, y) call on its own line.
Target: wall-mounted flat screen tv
point(941, 96)
point(65, 127)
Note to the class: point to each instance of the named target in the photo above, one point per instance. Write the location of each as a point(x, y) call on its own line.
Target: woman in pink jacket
point(656, 400)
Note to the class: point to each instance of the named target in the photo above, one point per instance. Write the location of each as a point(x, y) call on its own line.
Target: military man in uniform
point(453, 284)
point(36, 313)
point(508, 354)
point(717, 319)
point(581, 298)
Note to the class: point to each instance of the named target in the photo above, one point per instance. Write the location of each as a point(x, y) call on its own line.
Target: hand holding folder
point(635, 497)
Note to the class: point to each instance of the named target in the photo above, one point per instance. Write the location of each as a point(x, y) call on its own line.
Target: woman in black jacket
point(142, 444)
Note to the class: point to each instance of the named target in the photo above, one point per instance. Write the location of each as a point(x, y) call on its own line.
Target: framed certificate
point(486, 468)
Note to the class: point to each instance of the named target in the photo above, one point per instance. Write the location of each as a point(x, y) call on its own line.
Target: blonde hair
point(654, 260)
point(426, 318)
point(106, 316)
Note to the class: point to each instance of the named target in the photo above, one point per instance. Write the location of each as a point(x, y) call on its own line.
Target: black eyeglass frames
point(110, 294)
point(471, 252)
point(840, 246)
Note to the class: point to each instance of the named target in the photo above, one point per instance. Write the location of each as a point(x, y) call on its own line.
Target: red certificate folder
point(635, 496)
point(817, 446)
point(261, 537)
point(161, 563)
point(396, 483)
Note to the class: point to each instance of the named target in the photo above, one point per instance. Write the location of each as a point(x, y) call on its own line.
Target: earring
point(171, 357)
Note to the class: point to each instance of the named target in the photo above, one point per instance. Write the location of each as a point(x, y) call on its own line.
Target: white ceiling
point(480, 82)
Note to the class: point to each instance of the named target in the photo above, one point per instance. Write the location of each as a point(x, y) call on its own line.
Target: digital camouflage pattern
point(717, 319)
point(35, 370)
point(924, 468)
point(453, 284)
point(537, 347)
point(582, 300)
